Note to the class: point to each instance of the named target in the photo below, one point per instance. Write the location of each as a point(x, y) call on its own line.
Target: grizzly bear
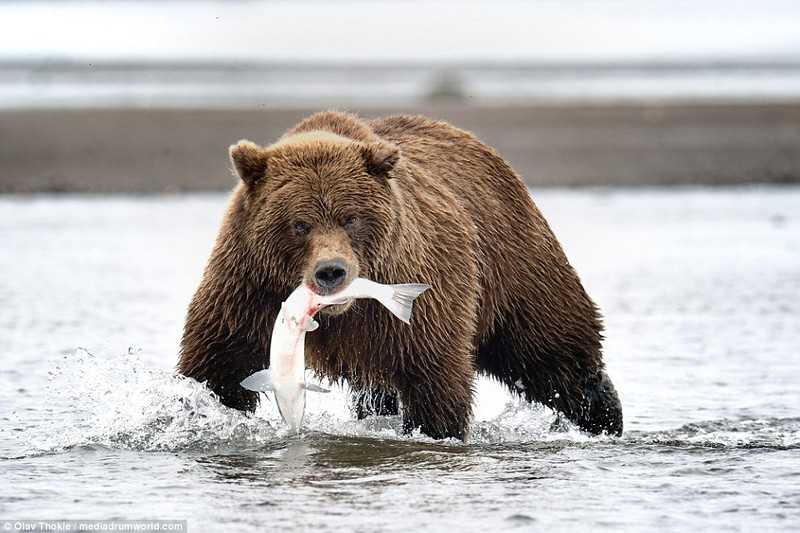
point(398, 199)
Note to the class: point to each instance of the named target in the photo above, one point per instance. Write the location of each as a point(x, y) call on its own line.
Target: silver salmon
point(286, 375)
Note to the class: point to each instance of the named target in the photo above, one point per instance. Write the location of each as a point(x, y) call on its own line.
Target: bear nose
point(330, 274)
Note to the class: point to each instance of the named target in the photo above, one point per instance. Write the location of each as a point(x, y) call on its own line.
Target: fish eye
point(350, 222)
point(301, 229)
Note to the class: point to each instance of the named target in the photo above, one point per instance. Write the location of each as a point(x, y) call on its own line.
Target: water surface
point(700, 289)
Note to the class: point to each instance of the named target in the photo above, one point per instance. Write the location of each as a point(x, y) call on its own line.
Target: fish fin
point(261, 381)
point(314, 388)
point(402, 299)
point(311, 324)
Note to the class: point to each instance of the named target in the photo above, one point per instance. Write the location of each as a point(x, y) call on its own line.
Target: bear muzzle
point(331, 263)
point(329, 275)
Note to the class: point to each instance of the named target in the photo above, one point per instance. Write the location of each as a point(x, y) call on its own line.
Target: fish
point(286, 373)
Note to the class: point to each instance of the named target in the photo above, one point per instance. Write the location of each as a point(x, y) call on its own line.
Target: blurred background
point(126, 96)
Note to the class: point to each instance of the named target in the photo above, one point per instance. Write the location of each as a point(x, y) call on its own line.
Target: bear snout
point(329, 275)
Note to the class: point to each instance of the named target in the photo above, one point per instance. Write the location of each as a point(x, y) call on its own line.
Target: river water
point(700, 289)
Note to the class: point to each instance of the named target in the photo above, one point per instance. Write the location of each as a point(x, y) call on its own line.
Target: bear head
point(318, 208)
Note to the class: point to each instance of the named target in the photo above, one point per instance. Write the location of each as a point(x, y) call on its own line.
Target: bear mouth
point(337, 309)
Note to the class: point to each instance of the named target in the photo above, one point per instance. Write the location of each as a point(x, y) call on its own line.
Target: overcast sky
point(408, 30)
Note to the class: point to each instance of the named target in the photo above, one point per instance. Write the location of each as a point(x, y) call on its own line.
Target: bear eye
point(350, 222)
point(300, 229)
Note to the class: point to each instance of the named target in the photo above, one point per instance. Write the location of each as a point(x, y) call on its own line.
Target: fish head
point(290, 316)
point(297, 316)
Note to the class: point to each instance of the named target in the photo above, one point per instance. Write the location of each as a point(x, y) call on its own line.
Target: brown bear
point(398, 199)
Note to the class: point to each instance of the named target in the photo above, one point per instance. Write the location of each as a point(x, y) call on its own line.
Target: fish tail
point(402, 299)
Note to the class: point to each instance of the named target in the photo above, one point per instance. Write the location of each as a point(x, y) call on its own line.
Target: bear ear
point(249, 161)
point(380, 158)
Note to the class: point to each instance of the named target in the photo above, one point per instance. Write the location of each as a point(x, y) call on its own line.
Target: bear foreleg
point(369, 401)
point(593, 405)
point(439, 405)
point(601, 410)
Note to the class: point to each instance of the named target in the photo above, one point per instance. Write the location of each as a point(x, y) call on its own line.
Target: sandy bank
point(152, 150)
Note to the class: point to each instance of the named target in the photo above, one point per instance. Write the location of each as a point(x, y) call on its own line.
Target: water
point(320, 54)
point(250, 85)
point(700, 288)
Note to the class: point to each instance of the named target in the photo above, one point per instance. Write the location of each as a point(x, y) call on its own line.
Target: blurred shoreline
point(63, 84)
point(625, 145)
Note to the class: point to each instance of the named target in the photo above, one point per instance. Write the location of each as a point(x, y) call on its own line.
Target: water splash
point(119, 401)
point(520, 421)
point(766, 433)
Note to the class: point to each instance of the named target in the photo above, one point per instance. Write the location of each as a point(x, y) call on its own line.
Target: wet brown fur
point(433, 205)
